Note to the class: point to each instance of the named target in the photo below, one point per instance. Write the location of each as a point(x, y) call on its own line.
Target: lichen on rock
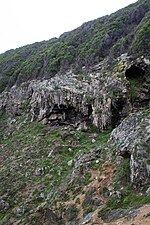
point(131, 139)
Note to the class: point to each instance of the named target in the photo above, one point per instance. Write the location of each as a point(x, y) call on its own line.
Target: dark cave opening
point(125, 154)
point(136, 75)
point(71, 114)
point(117, 112)
point(90, 110)
point(135, 72)
point(65, 115)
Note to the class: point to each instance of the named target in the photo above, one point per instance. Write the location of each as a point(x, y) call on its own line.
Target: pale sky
point(27, 21)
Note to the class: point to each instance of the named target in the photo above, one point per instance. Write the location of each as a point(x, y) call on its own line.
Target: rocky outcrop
point(90, 98)
point(75, 98)
point(96, 97)
point(16, 100)
point(86, 79)
point(3, 205)
point(131, 139)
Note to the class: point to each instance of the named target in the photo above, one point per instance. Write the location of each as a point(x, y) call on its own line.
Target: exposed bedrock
point(131, 139)
point(100, 97)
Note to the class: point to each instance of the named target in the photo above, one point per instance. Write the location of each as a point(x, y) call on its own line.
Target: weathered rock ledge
point(131, 139)
point(100, 97)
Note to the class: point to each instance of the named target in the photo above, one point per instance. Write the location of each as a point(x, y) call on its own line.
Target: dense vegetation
point(127, 30)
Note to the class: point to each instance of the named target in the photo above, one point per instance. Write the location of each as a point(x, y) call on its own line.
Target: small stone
point(148, 192)
point(39, 171)
point(45, 121)
point(3, 205)
point(42, 195)
point(50, 154)
point(87, 218)
point(59, 173)
point(49, 196)
point(53, 117)
point(20, 211)
point(41, 135)
point(93, 141)
point(95, 135)
point(97, 161)
point(70, 162)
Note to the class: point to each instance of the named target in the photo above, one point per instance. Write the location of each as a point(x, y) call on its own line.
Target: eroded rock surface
point(88, 98)
point(131, 139)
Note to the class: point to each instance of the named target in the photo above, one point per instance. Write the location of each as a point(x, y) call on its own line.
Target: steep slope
point(58, 175)
point(121, 32)
point(75, 125)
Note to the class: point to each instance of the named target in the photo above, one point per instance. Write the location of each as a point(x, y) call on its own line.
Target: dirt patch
point(100, 178)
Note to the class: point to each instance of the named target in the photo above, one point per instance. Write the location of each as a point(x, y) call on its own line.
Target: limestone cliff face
point(79, 99)
point(131, 140)
point(98, 97)
point(104, 96)
point(75, 123)
point(66, 99)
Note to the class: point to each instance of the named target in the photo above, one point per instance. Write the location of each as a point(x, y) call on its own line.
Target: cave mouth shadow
point(135, 72)
point(66, 115)
point(137, 78)
point(117, 112)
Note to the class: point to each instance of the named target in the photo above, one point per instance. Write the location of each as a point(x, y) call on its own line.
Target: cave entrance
point(61, 115)
point(65, 115)
point(135, 72)
point(118, 112)
point(136, 77)
point(125, 154)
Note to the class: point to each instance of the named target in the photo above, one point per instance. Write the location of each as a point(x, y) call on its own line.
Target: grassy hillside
point(75, 149)
point(36, 165)
point(127, 30)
